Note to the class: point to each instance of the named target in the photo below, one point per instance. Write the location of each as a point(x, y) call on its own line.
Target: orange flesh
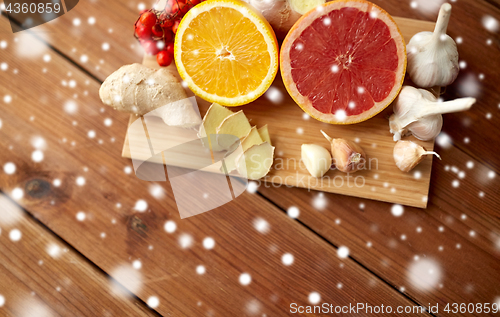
point(224, 53)
point(345, 60)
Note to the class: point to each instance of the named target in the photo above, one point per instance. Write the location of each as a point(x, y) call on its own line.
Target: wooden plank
point(458, 235)
point(81, 190)
point(41, 275)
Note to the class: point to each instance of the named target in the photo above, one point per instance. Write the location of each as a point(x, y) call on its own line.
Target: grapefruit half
point(344, 61)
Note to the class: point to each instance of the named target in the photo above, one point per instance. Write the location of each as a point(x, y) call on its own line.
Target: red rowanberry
point(150, 47)
point(143, 32)
point(164, 58)
point(148, 19)
point(157, 30)
point(170, 48)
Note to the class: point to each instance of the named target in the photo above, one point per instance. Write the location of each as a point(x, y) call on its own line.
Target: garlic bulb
point(407, 155)
point(433, 56)
point(348, 157)
point(418, 112)
point(316, 158)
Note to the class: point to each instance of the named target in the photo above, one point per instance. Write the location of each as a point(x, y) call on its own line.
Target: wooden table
point(72, 242)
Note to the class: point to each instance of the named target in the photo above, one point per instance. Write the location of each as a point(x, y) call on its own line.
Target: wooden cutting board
point(289, 128)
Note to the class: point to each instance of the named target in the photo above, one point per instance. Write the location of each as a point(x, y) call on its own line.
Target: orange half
point(226, 52)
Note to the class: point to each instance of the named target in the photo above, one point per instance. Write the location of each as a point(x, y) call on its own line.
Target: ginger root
point(139, 89)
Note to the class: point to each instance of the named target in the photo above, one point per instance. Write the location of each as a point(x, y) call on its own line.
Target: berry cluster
point(156, 29)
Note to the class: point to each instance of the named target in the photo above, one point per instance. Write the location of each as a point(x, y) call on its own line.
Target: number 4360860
point(33, 8)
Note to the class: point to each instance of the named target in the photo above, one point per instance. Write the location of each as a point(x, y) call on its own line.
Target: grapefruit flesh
point(344, 62)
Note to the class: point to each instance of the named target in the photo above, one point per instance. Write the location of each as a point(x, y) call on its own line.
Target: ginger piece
point(256, 161)
point(236, 124)
point(212, 120)
point(264, 134)
point(252, 138)
point(139, 89)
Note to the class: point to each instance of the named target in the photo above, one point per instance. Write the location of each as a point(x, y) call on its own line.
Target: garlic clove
point(417, 112)
point(408, 154)
point(316, 158)
point(348, 157)
point(433, 56)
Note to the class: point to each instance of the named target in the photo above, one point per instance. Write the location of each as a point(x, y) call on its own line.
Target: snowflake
point(137, 264)
point(185, 241)
point(17, 193)
point(208, 243)
point(314, 298)
point(261, 225)
point(397, 210)
point(70, 107)
point(80, 180)
point(293, 212)
point(469, 86)
point(170, 226)
point(490, 23)
point(245, 279)
point(156, 191)
point(343, 252)
point(54, 250)
point(425, 274)
point(200, 269)
point(340, 115)
point(287, 259)
point(126, 280)
point(9, 168)
point(252, 187)
point(15, 235)
point(274, 95)
point(319, 201)
point(80, 216)
point(141, 205)
point(444, 140)
point(37, 156)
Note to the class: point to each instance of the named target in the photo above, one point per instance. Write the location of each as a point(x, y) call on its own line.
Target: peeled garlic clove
point(348, 157)
point(316, 158)
point(433, 56)
point(408, 154)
